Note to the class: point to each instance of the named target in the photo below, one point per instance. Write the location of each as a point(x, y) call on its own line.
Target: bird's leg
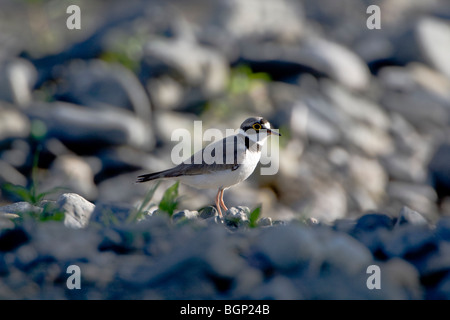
point(218, 203)
point(221, 200)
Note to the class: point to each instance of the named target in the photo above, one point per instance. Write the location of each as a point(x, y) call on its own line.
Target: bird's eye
point(257, 126)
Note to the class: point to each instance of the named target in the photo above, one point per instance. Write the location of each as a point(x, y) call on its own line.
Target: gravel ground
point(190, 257)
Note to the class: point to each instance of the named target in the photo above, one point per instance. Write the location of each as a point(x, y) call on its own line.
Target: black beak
point(269, 131)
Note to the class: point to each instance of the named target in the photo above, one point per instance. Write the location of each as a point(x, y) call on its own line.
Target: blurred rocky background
point(364, 114)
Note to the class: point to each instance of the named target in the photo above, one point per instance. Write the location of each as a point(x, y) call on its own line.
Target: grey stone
point(430, 80)
point(410, 216)
point(236, 217)
point(185, 214)
point(316, 127)
point(95, 84)
point(101, 273)
point(411, 242)
point(25, 257)
point(111, 214)
point(328, 202)
point(404, 167)
point(17, 153)
point(436, 263)
point(342, 251)
point(74, 124)
point(443, 228)
point(7, 220)
point(9, 174)
point(199, 259)
point(204, 70)
point(73, 173)
point(368, 174)
point(287, 248)
point(344, 225)
point(53, 239)
point(403, 95)
point(118, 241)
point(118, 169)
point(434, 39)
point(412, 143)
point(373, 230)
point(166, 92)
point(411, 107)
point(324, 57)
point(13, 123)
point(21, 208)
point(260, 20)
point(246, 281)
point(77, 210)
point(264, 222)
point(400, 280)
point(345, 287)
point(421, 197)
point(276, 288)
point(358, 107)
point(373, 221)
point(370, 140)
point(439, 171)
point(208, 212)
point(222, 254)
point(169, 121)
point(17, 78)
point(408, 140)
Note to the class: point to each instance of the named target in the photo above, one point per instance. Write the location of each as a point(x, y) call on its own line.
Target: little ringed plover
point(240, 155)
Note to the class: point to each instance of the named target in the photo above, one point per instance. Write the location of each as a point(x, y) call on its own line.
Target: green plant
point(168, 203)
point(243, 79)
point(242, 82)
point(145, 205)
point(108, 218)
point(170, 199)
point(50, 213)
point(30, 193)
point(126, 50)
point(254, 217)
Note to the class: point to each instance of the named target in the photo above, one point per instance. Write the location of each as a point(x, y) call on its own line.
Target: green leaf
point(19, 191)
point(52, 216)
point(145, 204)
point(31, 195)
point(169, 201)
point(254, 217)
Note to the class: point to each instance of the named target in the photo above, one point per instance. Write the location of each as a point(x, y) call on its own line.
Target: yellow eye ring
point(257, 126)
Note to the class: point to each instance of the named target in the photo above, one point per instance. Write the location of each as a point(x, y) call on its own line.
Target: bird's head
point(257, 129)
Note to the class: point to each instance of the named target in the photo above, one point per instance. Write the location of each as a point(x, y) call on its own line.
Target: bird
point(241, 153)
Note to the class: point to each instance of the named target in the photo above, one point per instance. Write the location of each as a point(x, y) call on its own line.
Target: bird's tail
point(151, 176)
